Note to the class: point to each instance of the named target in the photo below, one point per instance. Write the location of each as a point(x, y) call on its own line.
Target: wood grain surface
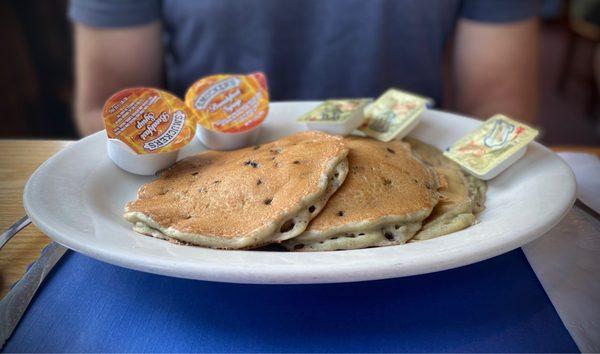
point(18, 160)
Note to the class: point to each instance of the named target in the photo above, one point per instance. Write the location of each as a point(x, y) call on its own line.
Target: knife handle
point(13, 230)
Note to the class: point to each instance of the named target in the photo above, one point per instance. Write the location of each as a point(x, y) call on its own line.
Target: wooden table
point(18, 160)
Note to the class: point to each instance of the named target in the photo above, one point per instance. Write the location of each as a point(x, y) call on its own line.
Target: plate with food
point(300, 206)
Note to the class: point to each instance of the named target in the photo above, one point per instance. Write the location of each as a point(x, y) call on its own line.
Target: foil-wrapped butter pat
point(338, 116)
point(393, 115)
point(492, 147)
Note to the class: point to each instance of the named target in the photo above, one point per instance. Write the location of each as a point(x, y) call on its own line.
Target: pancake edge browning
point(386, 231)
point(461, 216)
point(287, 226)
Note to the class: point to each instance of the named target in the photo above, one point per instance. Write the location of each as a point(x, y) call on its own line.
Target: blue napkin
point(497, 305)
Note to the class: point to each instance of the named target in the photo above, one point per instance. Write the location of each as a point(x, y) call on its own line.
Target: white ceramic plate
point(77, 198)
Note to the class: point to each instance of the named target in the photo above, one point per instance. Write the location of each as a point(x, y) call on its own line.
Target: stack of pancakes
point(309, 192)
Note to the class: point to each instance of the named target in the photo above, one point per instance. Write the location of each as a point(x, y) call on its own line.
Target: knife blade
point(14, 304)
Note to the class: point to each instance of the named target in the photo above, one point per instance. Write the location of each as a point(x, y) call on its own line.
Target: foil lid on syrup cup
point(146, 127)
point(229, 109)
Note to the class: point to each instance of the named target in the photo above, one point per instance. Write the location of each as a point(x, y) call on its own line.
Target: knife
point(16, 227)
point(14, 304)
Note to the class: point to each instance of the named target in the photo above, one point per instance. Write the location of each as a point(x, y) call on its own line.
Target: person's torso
point(311, 49)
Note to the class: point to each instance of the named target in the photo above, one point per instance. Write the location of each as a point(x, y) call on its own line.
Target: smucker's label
point(491, 143)
point(149, 120)
point(230, 103)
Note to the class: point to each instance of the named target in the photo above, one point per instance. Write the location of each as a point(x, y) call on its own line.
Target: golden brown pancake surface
point(242, 198)
point(380, 175)
point(387, 189)
point(461, 198)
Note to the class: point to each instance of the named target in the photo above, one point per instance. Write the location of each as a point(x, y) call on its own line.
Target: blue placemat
point(497, 305)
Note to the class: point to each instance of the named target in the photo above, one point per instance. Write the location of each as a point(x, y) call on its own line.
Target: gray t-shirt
point(309, 49)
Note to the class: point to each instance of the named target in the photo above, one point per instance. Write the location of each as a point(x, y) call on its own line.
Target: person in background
point(312, 49)
point(587, 14)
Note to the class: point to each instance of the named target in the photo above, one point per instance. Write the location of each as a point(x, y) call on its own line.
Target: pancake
point(462, 197)
point(244, 198)
point(384, 199)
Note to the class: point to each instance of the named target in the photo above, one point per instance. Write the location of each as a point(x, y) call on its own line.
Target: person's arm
point(107, 60)
point(495, 69)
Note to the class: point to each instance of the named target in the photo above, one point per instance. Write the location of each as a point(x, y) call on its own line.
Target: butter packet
point(145, 128)
point(492, 147)
point(338, 116)
point(393, 115)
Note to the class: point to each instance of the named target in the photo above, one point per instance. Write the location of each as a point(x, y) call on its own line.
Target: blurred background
point(37, 82)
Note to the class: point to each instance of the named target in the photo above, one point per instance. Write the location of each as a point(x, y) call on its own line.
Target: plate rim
point(285, 274)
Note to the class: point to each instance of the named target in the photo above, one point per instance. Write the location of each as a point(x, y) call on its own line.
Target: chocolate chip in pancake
point(461, 198)
point(384, 199)
point(244, 198)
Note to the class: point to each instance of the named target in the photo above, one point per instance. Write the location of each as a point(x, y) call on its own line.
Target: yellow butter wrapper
point(491, 145)
point(392, 115)
point(149, 120)
point(337, 111)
